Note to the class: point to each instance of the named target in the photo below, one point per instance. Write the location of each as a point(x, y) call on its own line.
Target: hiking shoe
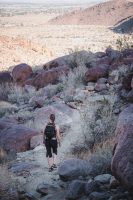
point(54, 166)
point(51, 169)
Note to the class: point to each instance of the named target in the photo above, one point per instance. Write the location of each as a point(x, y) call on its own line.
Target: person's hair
point(52, 118)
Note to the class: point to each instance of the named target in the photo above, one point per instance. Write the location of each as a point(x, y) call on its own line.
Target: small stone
point(102, 80)
point(45, 188)
point(116, 111)
point(100, 87)
point(114, 183)
point(99, 196)
point(104, 178)
point(72, 105)
point(30, 196)
point(30, 89)
point(90, 86)
point(80, 95)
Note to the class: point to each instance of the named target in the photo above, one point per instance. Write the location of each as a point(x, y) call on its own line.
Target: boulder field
point(75, 178)
point(101, 64)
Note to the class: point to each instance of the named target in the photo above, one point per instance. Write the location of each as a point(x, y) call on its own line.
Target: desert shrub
point(49, 91)
point(5, 91)
point(24, 115)
point(75, 79)
point(124, 42)
point(98, 124)
point(19, 95)
point(52, 90)
point(7, 108)
point(102, 125)
point(14, 93)
point(100, 156)
point(79, 57)
point(75, 59)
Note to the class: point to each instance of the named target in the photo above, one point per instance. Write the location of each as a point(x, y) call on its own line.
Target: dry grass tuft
point(100, 155)
point(98, 124)
point(3, 155)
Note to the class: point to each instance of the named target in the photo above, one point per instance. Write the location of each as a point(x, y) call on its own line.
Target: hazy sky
point(53, 1)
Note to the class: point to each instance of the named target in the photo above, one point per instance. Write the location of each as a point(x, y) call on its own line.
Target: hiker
point(52, 139)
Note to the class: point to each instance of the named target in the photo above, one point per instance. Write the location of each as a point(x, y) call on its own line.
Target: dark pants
point(51, 147)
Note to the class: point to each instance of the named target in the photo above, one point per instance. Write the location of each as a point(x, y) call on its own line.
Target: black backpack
point(50, 131)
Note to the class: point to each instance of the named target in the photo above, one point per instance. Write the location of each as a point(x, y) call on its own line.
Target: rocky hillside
point(107, 14)
point(91, 95)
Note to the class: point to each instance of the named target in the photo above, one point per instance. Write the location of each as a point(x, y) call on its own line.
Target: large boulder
point(23, 168)
point(128, 61)
point(62, 113)
point(113, 54)
point(72, 60)
point(120, 75)
point(96, 72)
point(72, 169)
point(15, 137)
point(5, 77)
point(126, 82)
point(122, 162)
point(44, 78)
point(58, 62)
point(21, 73)
point(103, 60)
point(100, 54)
point(36, 141)
point(127, 53)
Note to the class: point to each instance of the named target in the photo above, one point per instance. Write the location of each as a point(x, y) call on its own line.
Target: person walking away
point(52, 139)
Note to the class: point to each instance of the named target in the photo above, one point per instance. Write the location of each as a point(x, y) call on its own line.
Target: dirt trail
point(37, 175)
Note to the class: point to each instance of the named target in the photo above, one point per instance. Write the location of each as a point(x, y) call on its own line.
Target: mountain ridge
point(107, 14)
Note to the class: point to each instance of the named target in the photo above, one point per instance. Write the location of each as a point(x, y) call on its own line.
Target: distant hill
point(107, 14)
point(124, 26)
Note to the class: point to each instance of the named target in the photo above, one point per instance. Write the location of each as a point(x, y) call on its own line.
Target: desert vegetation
point(84, 75)
point(124, 42)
